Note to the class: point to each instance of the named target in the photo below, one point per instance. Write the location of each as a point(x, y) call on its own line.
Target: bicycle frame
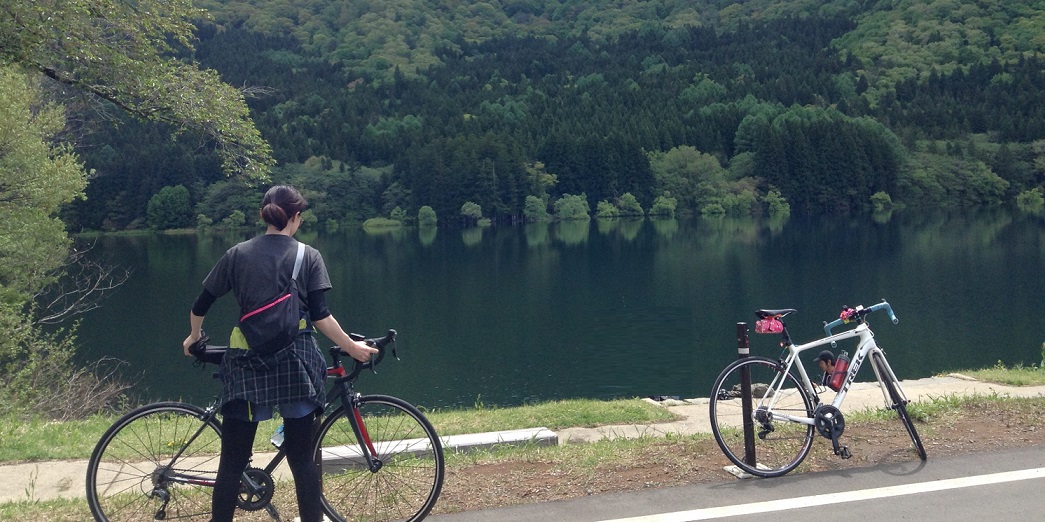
point(865, 345)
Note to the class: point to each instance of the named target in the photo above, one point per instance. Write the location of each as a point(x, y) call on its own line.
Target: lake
point(509, 315)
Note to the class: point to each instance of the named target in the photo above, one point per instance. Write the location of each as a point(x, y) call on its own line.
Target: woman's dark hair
point(280, 204)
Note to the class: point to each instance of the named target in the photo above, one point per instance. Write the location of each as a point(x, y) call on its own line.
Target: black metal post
point(743, 349)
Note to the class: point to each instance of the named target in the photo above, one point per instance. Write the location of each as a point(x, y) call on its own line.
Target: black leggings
point(237, 440)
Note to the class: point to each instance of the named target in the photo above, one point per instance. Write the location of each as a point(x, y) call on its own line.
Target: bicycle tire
point(128, 475)
point(779, 446)
point(898, 403)
point(406, 486)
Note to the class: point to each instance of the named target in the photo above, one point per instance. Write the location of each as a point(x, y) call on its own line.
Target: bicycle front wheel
point(156, 462)
point(407, 481)
point(885, 373)
point(775, 446)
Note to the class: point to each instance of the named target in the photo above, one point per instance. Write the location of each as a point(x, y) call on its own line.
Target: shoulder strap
point(297, 261)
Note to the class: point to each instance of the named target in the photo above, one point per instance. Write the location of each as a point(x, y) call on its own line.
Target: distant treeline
point(715, 117)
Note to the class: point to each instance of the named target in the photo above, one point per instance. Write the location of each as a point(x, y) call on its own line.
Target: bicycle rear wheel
point(778, 445)
point(887, 377)
point(410, 476)
point(132, 474)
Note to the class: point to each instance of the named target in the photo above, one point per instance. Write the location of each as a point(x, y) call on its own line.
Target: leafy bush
point(606, 210)
point(169, 208)
point(629, 206)
point(426, 216)
point(535, 209)
point(778, 206)
point(1031, 201)
point(572, 207)
point(664, 206)
point(713, 210)
point(881, 202)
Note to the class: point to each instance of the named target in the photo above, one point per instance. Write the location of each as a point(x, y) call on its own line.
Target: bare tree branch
point(81, 291)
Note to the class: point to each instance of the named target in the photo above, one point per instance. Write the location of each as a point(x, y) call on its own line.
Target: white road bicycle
point(771, 431)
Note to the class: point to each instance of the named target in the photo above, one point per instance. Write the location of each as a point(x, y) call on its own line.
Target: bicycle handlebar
point(857, 314)
point(381, 343)
point(211, 354)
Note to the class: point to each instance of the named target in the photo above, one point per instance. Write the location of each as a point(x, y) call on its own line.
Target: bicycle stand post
point(743, 350)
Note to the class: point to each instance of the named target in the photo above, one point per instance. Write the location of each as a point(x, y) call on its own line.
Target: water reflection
point(605, 309)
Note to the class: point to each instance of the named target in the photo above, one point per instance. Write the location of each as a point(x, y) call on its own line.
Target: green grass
point(1017, 375)
point(552, 415)
point(24, 440)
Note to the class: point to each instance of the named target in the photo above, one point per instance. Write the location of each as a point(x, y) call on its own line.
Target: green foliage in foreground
point(1018, 375)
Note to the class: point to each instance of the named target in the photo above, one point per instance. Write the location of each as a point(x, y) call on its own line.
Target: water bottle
point(277, 438)
point(840, 373)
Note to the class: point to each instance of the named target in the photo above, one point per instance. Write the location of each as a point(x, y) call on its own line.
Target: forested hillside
point(723, 107)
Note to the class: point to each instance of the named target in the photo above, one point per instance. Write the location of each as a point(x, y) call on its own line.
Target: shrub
point(572, 207)
point(169, 208)
point(881, 202)
point(535, 209)
point(629, 206)
point(426, 216)
point(713, 210)
point(1031, 201)
point(605, 210)
point(778, 206)
point(664, 206)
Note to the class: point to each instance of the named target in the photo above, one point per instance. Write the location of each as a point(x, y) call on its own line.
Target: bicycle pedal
point(845, 453)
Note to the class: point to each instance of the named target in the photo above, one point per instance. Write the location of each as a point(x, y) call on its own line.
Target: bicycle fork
point(350, 400)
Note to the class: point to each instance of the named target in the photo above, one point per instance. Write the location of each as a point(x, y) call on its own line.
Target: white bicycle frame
point(865, 346)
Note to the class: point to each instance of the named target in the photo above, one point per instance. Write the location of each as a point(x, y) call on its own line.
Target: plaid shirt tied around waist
point(289, 375)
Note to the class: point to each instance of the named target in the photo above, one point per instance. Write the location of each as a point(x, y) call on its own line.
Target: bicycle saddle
point(765, 312)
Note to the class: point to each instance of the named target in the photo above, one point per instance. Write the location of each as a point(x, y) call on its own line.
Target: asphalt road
point(996, 486)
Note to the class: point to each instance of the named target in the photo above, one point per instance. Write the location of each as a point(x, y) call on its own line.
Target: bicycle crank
point(255, 490)
point(830, 423)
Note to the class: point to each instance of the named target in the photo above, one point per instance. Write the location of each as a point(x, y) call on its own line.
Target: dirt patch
point(976, 427)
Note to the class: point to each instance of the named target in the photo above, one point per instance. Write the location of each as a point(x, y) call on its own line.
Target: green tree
point(426, 216)
point(572, 207)
point(38, 174)
point(129, 54)
point(629, 206)
point(605, 210)
point(778, 206)
point(664, 205)
point(471, 211)
point(170, 208)
point(1031, 202)
point(535, 209)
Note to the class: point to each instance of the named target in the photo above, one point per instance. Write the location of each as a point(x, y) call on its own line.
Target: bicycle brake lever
point(373, 367)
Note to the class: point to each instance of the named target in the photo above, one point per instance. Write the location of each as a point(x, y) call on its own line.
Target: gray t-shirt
point(259, 269)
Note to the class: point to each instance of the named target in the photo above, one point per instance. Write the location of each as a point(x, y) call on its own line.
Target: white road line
point(837, 498)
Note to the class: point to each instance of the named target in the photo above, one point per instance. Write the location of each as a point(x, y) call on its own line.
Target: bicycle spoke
point(779, 445)
point(411, 473)
point(131, 476)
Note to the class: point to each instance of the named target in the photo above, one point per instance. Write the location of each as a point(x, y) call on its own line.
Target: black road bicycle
point(380, 457)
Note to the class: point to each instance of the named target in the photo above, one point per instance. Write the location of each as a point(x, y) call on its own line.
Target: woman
point(290, 379)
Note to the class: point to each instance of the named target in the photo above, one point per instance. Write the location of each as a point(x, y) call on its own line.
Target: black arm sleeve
point(317, 305)
point(202, 304)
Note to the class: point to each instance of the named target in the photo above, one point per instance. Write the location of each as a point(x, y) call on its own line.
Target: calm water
point(509, 315)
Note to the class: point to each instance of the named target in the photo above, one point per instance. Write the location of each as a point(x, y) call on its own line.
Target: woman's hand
point(359, 351)
point(188, 342)
point(332, 329)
